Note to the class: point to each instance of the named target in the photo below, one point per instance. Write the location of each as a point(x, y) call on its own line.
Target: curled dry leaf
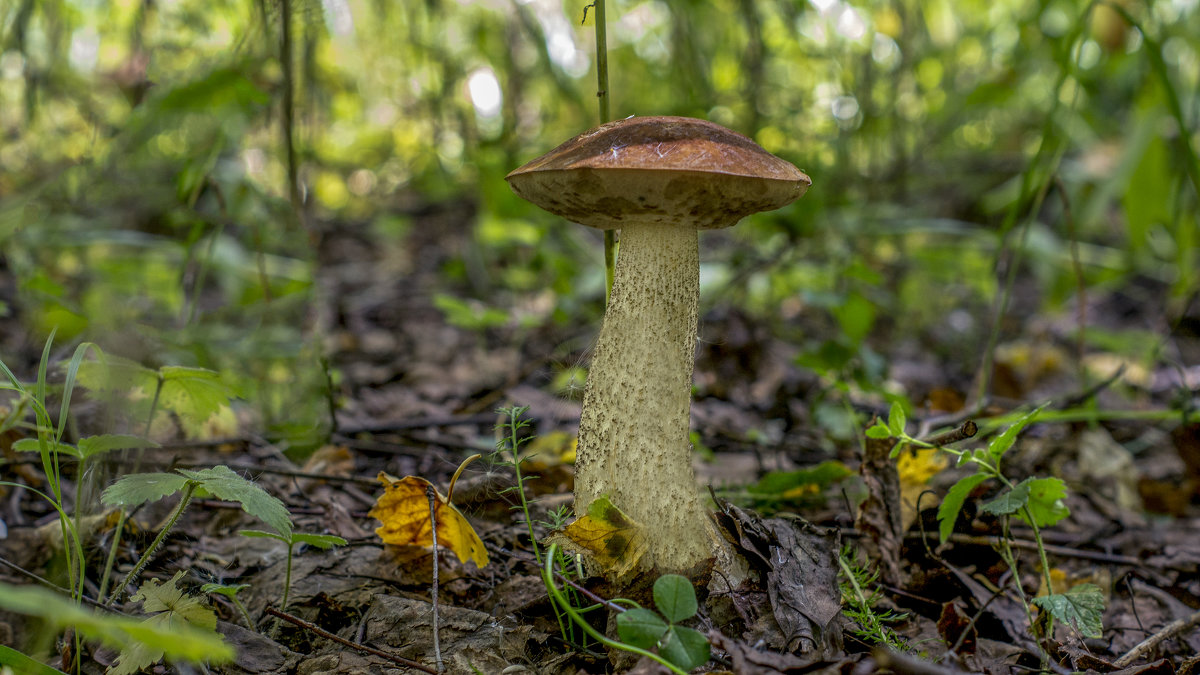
point(404, 511)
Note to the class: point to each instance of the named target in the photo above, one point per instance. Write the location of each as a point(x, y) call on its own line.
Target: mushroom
point(659, 180)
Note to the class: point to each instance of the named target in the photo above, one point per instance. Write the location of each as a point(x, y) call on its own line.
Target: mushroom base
point(633, 432)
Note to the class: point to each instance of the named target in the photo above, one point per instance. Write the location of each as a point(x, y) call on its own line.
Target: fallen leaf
point(404, 511)
point(915, 469)
point(612, 540)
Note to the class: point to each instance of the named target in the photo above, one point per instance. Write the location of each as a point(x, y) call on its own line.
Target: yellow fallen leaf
point(613, 541)
point(404, 511)
point(551, 449)
point(915, 469)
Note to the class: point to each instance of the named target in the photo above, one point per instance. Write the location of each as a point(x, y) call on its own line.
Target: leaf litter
point(1131, 539)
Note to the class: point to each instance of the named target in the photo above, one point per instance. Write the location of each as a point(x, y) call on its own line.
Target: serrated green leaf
point(953, 502)
point(1001, 443)
point(1081, 608)
point(94, 445)
point(34, 445)
point(114, 374)
point(675, 597)
point(879, 431)
point(195, 394)
point(897, 419)
point(685, 647)
point(221, 482)
point(323, 541)
point(139, 488)
point(1007, 502)
point(640, 627)
point(1045, 500)
point(169, 597)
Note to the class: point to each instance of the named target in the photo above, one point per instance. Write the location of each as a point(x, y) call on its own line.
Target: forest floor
point(419, 395)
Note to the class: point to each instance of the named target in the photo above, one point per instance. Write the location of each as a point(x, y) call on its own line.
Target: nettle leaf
point(1081, 608)
point(139, 488)
point(1045, 500)
point(1000, 444)
point(953, 502)
point(221, 482)
point(684, 647)
point(641, 627)
point(675, 597)
point(94, 445)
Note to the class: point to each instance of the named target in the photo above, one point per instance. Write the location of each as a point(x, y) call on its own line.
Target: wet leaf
point(404, 511)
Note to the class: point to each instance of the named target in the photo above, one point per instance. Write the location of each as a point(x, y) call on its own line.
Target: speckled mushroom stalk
point(659, 180)
point(633, 433)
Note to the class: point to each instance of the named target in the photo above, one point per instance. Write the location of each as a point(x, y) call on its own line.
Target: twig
point(321, 632)
point(907, 665)
point(1151, 643)
point(967, 430)
point(431, 495)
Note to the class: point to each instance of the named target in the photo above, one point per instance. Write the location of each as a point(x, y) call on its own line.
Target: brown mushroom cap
point(669, 170)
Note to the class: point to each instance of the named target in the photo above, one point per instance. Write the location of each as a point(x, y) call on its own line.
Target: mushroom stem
point(633, 432)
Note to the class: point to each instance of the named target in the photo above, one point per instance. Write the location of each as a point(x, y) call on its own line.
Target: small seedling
point(861, 600)
point(219, 481)
point(680, 649)
point(231, 591)
point(675, 599)
point(322, 541)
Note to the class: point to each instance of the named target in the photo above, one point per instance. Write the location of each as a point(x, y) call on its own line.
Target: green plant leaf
point(675, 597)
point(897, 419)
point(195, 394)
point(259, 534)
point(228, 590)
point(323, 541)
point(221, 482)
point(34, 445)
point(640, 627)
point(139, 488)
point(1001, 443)
point(684, 647)
point(24, 665)
point(1045, 500)
point(1081, 608)
point(1008, 502)
point(170, 607)
point(94, 445)
point(879, 431)
point(953, 502)
point(178, 642)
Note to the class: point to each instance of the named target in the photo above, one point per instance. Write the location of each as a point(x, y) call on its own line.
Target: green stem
point(557, 598)
point(514, 417)
point(610, 238)
point(287, 578)
point(162, 534)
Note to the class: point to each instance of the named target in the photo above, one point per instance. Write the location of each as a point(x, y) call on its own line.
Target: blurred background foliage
point(170, 169)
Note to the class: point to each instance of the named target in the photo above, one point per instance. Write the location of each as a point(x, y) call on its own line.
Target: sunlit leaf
point(403, 510)
point(915, 469)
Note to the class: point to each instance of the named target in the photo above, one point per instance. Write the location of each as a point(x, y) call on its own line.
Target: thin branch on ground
point(1167, 632)
point(321, 632)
